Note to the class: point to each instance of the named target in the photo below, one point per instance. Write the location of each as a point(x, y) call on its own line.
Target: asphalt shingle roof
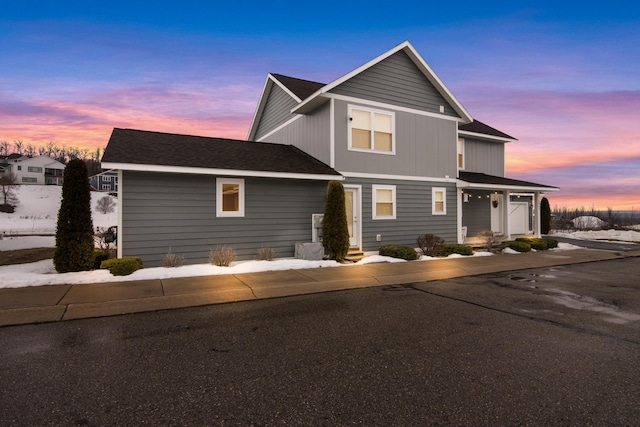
point(481, 178)
point(478, 127)
point(132, 146)
point(301, 88)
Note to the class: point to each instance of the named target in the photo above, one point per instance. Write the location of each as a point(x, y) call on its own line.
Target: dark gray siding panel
point(425, 146)
point(413, 214)
point(177, 213)
point(483, 156)
point(276, 112)
point(310, 133)
point(397, 81)
point(476, 214)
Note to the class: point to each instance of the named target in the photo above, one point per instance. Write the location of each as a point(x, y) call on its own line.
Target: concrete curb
point(67, 302)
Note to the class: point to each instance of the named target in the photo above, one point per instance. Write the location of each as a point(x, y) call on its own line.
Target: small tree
point(105, 205)
point(74, 233)
point(335, 230)
point(8, 182)
point(545, 216)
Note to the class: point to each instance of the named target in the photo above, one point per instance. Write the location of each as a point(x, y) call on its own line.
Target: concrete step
point(354, 255)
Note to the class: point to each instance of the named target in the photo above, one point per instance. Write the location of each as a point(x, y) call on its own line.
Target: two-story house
point(411, 158)
point(106, 181)
point(39, 170)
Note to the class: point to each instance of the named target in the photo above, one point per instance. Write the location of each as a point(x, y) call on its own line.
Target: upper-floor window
point(371, 130)
point(35, 169)
point(29, 179)
point(229, 197)
point(460, 153)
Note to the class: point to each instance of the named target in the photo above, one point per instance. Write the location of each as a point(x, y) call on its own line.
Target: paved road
point(598, 244)
point(553, 346)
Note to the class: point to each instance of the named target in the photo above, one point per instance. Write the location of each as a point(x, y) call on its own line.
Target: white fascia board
point(485, 136)
point(266, 89)
point(465, 184)
point(396, 177)
point(225, 172)
point(385, 106)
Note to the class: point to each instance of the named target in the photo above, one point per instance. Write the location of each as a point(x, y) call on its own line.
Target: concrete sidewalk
point(66, 302)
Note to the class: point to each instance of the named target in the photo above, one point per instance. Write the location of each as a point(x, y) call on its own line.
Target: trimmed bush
point(398, 251)
point(456, 248)
point(74, 231)
point(122, 266)
point(537, 244)
point(430, 244)
point(551, 243)
point(335, 229)
point(519, 246)
point(98, 257)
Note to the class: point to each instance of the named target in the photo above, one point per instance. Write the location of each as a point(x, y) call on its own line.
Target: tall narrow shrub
point(74, 232)
point(335, 230)
point(545, 216)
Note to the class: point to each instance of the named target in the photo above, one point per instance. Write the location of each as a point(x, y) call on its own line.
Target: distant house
point(105, 181)
point(411, 158)
point(40, 170)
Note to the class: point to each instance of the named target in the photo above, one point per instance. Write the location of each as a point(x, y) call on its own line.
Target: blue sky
point(562, 77)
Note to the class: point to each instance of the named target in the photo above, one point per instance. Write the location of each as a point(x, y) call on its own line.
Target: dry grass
point(24, 256)
point(222, 256)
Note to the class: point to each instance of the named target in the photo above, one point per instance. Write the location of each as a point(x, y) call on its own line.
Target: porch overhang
point(476, 180)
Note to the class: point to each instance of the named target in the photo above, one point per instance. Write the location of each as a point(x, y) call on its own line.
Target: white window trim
point(435, 190)
point(219, 183)
point(372, 111)
point(461, 146)
point(374, 189)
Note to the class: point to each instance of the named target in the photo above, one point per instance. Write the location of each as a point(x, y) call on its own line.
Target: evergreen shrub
point(545, 219)
point(430, 244)
point(74, 231)
point(122, 266)
point(98, 257)
point(398, 251)
point(519, 246)
point(537, 244)
point(456, 248)
point(335, 229)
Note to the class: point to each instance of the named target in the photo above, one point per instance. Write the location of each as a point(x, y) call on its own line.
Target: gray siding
point(177, 212)
point(476, 214)
point(413, 214)
point(397, 81)
point(425, 146)
point(277, 110)
point(483, 156)
point(310, 133)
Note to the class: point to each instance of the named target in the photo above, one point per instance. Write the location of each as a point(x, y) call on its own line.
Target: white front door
point(518, 218)
point(352, 200)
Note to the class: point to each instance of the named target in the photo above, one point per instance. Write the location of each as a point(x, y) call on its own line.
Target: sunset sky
point(562, 77)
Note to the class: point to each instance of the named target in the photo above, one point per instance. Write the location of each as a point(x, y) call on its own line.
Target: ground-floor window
point(383, 201)
point(229, 197)
point(439, 201)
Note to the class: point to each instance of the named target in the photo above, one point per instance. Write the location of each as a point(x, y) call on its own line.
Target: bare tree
point(17, 145)
point(8, 182)
point(4, 148)
point(29, 150)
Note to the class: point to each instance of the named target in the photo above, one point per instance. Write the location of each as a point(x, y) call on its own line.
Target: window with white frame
point(460, 153)
point(229, 197)
point(383, 201)
point(438, 201)
point(34, 169)
point(371, 130)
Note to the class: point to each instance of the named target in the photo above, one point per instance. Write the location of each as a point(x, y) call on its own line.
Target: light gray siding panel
point(484, 156)
point(476, 214)
point(310, 133)
point(425, 146)
point(397, 81)
point(177, 213)
point(277, 111)
point(413, 214)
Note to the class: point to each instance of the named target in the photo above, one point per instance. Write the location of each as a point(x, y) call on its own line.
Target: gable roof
point(481, 180)
point(301, 88)
point(131, 149)
point(478, 129)
point(317, 97)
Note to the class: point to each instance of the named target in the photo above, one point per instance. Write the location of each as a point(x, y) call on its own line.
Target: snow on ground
point(605, 235)
point(37, 214)
point(37, 211)
point(588, 222)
